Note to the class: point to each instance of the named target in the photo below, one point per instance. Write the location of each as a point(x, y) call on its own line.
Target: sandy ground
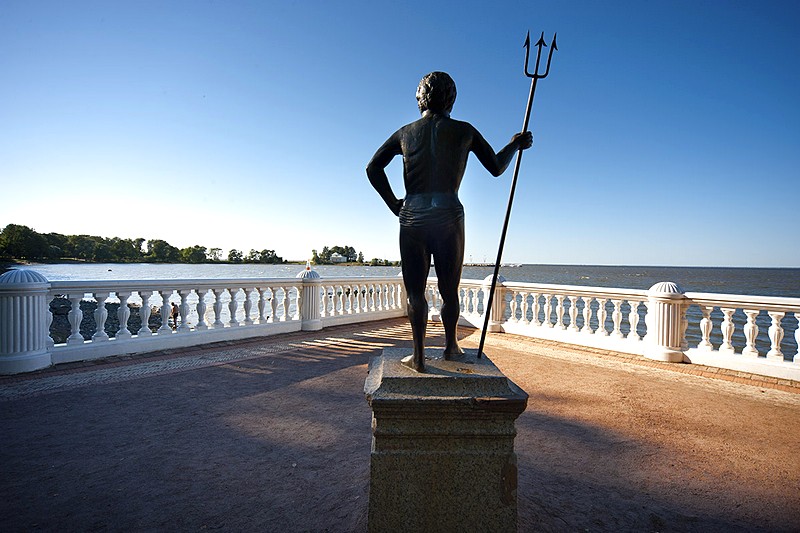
point(274, 435)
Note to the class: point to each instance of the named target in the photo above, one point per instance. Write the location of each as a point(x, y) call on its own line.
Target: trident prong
point(539, 44)
point(534, 78)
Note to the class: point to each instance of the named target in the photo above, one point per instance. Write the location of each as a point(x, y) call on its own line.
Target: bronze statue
point(435, 150)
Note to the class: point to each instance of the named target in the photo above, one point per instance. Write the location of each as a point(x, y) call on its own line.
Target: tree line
point(22, 242)
point(348, 254)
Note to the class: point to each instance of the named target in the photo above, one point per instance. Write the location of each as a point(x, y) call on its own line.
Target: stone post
point(442, 445)
point(309, 300)
point(665, 324)
point(498, 303)
point(24, 307)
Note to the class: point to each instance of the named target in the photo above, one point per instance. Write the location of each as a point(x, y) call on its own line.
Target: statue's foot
point(453, 350)
point(414, 363)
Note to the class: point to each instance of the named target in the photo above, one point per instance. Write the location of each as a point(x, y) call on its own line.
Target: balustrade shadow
point(279, 442)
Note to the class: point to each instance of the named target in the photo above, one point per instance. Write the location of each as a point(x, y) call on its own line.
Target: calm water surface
point(755, 281)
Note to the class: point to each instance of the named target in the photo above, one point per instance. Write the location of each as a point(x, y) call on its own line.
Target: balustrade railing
point(755, 334)
point(81, 320)
point(92, 319)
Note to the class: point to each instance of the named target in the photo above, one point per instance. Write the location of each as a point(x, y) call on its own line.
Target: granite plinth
point(443, 444)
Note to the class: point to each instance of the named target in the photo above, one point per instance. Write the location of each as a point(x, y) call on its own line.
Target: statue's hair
point(436, 92)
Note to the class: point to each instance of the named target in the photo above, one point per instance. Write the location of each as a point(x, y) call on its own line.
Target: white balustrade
point(748, 333)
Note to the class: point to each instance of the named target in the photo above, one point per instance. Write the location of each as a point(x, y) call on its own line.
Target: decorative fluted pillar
point(23, 322)
point(498, 303)
point(309, 301)
point(665, 325)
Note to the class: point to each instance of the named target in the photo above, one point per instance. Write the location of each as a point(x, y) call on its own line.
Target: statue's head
point(437, 93)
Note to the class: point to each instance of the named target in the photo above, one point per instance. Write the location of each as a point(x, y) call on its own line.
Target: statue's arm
point(497, 163)
point(377, 174)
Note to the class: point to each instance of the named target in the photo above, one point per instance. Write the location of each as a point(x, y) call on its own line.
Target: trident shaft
point(535, 76)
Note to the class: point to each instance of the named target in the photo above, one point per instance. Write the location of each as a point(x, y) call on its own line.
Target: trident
point(534, 78)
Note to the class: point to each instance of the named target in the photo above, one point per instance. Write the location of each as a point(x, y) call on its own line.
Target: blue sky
point(668, 133)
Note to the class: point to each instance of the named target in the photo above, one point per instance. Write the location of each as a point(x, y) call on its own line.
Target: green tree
point(252, 256)
point(215, 255)
point(235, 256)
point(360, 258)
point(269, 257)
point(23, 242)
point(160, 251)
point(102, 252)
point(82, 246)
point(126, 249)
point(193, 254)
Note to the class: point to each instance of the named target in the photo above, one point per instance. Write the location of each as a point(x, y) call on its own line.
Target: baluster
point(356, 289)
point(261, 305)
point(339, 301)
point(513, 307)
point(775, 336)
point(323, 304)
point(560, 312)
point(602, 314)
point(616, 316)
point(727, 329)
point(144, 314)
point(233, 306)
point(75, 317)
point(100, 316)
point(286, 304)
point(123, 314)
point(434, 300)
point(705, 328)
point(183, 310)
point(218, 323)
point(587, 315)
point(536, 307)
point(248, 306)
point(750, 333)
point(273, 303)
point(201, 310)
point(278, 304)
point(633, 320)
point(526, 308)
point(573, 313)
point(166, 311)
point(547, 308)
point(371, 297)
point(364, 306)
point(474, 298)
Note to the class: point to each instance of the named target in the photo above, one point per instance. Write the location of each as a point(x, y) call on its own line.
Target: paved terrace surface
point(274, 435)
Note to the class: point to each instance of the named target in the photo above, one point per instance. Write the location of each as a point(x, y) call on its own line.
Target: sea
point(783, 282)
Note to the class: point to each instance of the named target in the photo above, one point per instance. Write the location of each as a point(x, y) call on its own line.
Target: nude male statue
point(435, 150)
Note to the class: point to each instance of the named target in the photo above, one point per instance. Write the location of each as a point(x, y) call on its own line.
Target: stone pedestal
point(443, 445)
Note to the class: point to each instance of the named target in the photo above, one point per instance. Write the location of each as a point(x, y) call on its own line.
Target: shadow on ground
point(281, 442)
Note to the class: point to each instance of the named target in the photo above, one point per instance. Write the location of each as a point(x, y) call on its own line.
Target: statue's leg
point(448, 261)
point(416, 261)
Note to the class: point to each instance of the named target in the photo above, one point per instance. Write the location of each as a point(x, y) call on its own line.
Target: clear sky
point(668, 133)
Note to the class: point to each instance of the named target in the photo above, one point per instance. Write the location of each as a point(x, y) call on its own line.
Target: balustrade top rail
point(766, 303)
